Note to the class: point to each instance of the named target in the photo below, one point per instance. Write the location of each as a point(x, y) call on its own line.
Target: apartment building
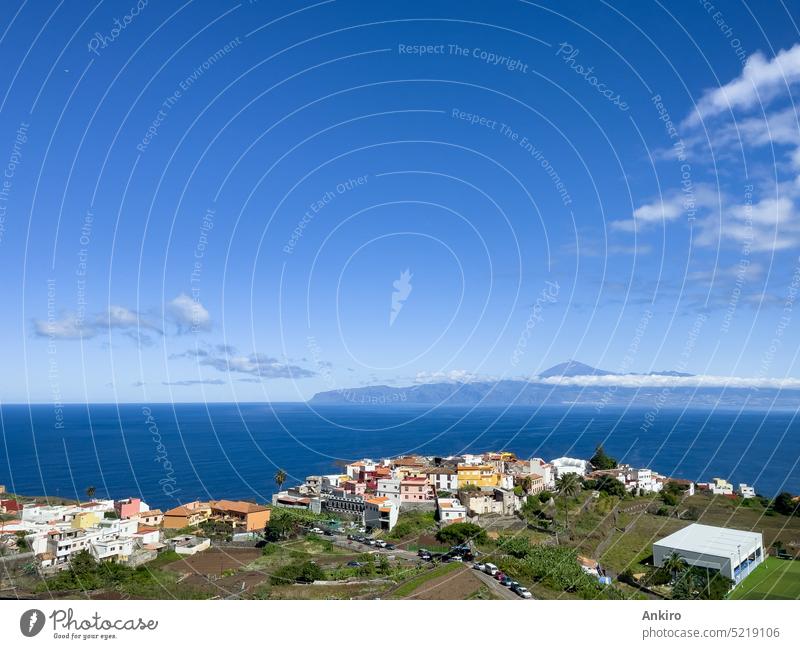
point(380, 513)
point(442, 478)
point(248, 516)
point(479, 475)
point(415, 489)
point(187, 515)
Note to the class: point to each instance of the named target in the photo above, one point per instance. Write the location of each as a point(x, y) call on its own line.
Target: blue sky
point(218, 201)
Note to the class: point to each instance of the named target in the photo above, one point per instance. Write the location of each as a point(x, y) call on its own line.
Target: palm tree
point(569, 486)
point(90, 491)
point(674, 564)
point(686, 586)
point(280, 478)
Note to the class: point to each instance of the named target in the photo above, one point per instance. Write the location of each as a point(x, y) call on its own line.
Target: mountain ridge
point(522, 392)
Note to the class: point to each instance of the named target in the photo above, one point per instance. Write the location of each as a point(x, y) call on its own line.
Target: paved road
point(495, 586)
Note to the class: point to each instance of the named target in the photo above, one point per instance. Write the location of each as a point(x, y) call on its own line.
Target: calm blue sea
point(172, 453)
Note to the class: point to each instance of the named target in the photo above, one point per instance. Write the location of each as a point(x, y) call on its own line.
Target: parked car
point(455, 559)
point(490, 569)
point(327, 533)
point(388, 546)
point(421, 552)
point(426, 557)
point(350, 537)
point(479, 566)
point(354, 564)
point(499, 575)
point(380, 543)
point(370, 542)
point(522, 591)
point(506, 581)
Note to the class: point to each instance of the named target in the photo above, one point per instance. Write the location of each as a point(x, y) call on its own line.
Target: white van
point(490, 569)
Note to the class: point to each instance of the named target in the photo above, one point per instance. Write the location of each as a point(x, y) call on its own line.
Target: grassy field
point(773, 579)
point(405, 589)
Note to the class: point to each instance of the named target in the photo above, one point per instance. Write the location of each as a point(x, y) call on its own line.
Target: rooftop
point(713, 541)
point(238, 506)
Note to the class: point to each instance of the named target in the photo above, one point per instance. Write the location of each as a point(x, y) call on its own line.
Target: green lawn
point(773, 579)
point(411, 585)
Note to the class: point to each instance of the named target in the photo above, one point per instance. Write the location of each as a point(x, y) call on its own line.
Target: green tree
point(610, 486)
point(602, 461)
point(675, 564)
point(90, 491)
point(458, 533)
point(669, 498)
point(686, 586)
point(516, 546)
point(784, 504)
point(281, 525)
point(303, 572)
point(569, 486)
point(699, 583)
point(280, 478)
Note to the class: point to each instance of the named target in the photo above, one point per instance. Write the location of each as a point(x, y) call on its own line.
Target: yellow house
point(84, 520)
point(404, 472)
point(480, 475)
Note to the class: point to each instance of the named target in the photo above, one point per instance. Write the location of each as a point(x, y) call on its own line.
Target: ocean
point(169, 454)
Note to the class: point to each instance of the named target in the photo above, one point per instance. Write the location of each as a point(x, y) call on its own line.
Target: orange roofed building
point(187, 515)
point(247, 515)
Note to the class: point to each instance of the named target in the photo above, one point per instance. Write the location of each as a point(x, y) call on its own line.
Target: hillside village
point(502, 510)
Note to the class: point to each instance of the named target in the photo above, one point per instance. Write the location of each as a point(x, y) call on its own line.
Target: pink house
point(415, 489)
point(354, 488)
point(128, 507)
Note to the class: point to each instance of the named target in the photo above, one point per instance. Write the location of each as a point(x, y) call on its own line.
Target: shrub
point(303, 572)
point(459, 533)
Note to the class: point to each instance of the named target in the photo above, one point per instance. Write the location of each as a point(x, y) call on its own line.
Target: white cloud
point(658, 381)
point(452, 376)
point(225, 358)
point(71, 327)
point(760, 82)
point(188, 314)
point(68, 327)
point(770, 220)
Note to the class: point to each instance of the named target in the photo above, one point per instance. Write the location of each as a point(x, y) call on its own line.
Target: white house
point(115, 549)
point(451, 510)
point(564, 465)
point(389, 488)
point(443, 478)
point(734, 553)
point(746, 491)
point(37, 513)
point(353, 470)
point(190, 544)
point(380, 513)
point(539, 467)
point(506, 481)
point(721, 487)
